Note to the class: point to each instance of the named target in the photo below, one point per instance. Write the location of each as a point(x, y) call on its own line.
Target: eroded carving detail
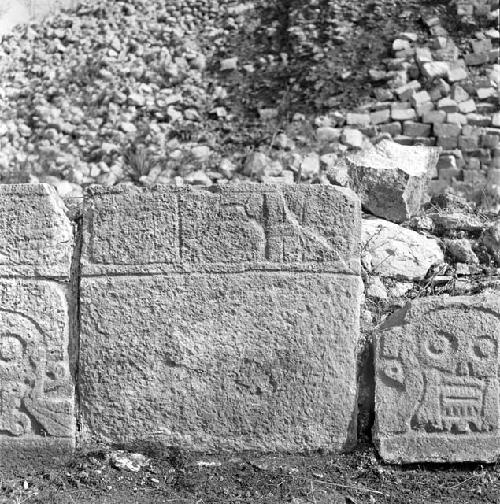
point(442, 377)
point(35, 382)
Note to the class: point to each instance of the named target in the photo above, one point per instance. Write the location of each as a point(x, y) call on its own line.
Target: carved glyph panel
point(36, 388)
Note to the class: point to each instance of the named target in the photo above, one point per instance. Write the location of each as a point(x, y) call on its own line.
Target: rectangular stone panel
point(238, 227)
point(36, 386)
point(36, 237)
point(255, 360)
point(437, 386)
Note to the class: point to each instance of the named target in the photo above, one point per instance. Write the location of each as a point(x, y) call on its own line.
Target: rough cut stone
point(36, 237)
point(37, 349)
point(393, 251)
point(391, 179)
point(36, 386)
point(238, 332)
point(437, 387)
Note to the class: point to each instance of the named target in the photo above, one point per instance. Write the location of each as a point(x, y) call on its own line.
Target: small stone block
point(352, 138)
point(405, 92)
point(434, 117)
point(413, 129)
point(380, 116)
point(467, 106)
point(393, 128)
point(459, 94)
point(447, 142)
point(481, 46)
point(448, 105)
point(423, 55)
point(476, 59)
point(474, 164)
point(456, 118)
point(437, 386)
point(486, 93)
point(434, 69)
point(446, 162)
point(420, 98)
point(445, 129)
point(403, 114)
point(353, 119)
point(489, 141)
point(478, 119)
point(424, 108)
point(468, 143)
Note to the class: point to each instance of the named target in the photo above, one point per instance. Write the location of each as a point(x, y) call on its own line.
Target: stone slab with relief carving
point(437, 387)
point(223, 319)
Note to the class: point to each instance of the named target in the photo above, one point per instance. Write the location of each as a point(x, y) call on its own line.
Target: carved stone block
point(238, 332)
point(36, 237)
point(36, 386)
point(437, 386)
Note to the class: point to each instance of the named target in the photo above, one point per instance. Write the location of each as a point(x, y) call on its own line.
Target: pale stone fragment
point(392, 251)
point(437, 387)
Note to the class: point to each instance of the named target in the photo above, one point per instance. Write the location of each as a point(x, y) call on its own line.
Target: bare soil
point(178, 477)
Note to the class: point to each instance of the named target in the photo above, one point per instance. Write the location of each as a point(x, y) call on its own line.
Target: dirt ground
point(177, 477)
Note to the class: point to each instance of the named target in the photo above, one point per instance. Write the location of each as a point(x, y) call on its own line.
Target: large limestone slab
point(258, 360)
point(238, 333)
point(36, 386)
point(392, 179)
point(437, 387)
point(36, 237)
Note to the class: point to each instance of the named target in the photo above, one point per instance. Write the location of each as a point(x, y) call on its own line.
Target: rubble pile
point(205, 92)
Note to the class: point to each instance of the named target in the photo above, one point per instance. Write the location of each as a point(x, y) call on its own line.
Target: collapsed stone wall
point(230, 319)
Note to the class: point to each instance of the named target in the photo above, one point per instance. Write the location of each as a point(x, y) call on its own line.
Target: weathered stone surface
point(237, 227)
point(243, 338)
point(392, 251)
point(247, 361)
point(36, 387)
point(437, 390)
point(391, 179)
point(36, 237)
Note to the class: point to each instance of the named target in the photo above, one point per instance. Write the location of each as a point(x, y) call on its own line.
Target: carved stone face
point(467, 351)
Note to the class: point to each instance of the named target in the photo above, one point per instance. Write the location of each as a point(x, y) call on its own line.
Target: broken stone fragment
point(391, 179)
point(389, 250)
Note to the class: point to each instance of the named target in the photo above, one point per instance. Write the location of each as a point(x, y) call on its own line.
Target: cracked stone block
point(36, 385)
point(391, 179)
point(241, 336)
point(437, 386)
point(36, 237)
